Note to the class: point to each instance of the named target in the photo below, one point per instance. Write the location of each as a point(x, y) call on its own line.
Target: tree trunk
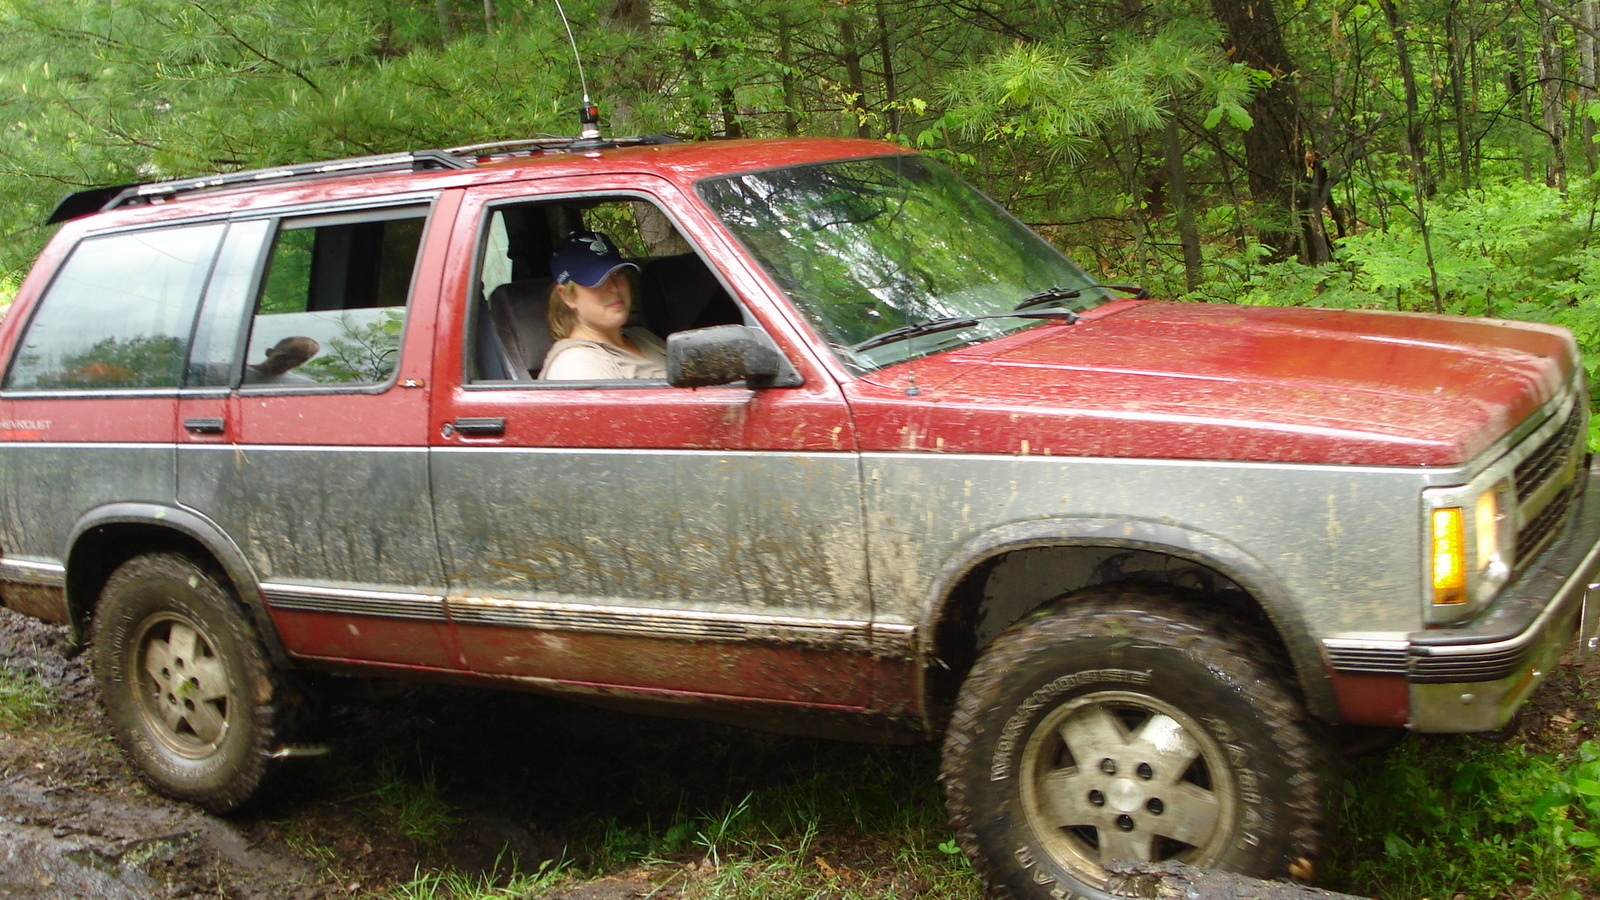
point(1555, 125)
point(791, 95)
point(891, 90)
point(1178, 192)
point(1517, 88)
point(717, 54)
point(631, 18)
point(1415, 134)
point(856, 103)
point(1272, 146)
point(1421, 182)
point(1456, 45)
point(1586, 78)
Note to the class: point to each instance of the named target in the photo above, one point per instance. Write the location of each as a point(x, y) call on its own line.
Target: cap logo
point(598, 245)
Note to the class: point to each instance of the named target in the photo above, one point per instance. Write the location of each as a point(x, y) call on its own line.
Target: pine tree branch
point(269, 60)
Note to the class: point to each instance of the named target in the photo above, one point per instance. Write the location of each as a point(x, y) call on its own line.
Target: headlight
point(1469, 547)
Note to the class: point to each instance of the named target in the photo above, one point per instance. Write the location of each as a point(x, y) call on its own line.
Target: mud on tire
point(1126, 723)
point(192, 696)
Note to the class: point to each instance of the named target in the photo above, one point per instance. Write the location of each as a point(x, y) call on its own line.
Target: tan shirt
point(578, 359)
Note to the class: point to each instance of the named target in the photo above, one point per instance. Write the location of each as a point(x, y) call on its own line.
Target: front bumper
point(1473, 678)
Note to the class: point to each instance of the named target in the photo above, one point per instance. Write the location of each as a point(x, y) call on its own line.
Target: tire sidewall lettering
point(1245, 776)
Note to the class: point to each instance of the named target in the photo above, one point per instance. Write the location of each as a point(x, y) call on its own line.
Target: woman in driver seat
point(589, 311)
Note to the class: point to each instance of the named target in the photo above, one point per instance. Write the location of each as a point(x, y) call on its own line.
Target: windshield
point(869, 245)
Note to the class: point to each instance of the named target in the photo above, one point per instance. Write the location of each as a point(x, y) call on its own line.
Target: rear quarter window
point(119, 313)
point(332, 306)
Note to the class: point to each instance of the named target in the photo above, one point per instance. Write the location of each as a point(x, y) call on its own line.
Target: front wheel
point(189, 690)
point(1125, 724)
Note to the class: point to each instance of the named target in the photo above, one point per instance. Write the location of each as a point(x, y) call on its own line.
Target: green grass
point(450, 885)
point(22, 700)
point(1455, 816)
point(869, 826)
point(309, 845)
point(413, 803)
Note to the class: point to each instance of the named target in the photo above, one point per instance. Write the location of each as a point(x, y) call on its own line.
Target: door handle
point(482, 426)
point(205, 425)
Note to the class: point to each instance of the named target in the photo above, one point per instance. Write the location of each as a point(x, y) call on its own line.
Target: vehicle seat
point(680, 293)
point(519, 312)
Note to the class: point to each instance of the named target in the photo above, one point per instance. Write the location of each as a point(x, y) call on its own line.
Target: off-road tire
point(1064, 748)
point(192, 696)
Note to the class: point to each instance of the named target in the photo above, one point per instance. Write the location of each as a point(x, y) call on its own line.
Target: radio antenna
point(589, 115)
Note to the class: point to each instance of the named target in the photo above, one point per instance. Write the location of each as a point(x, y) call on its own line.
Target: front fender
point(1201, 548)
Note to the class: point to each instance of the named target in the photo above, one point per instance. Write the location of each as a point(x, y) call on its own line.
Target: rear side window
point(119, 313)
point(332, 306)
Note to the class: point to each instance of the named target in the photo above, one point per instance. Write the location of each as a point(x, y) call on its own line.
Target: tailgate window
point(119, 313)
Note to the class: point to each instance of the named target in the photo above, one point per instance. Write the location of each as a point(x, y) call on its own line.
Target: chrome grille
point(1549, 458)
point(1533, 536)
point(1550, 461)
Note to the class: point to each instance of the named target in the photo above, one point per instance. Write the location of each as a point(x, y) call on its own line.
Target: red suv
point(911, 474)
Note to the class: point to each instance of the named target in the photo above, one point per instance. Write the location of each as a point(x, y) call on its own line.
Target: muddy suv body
point(912, 475)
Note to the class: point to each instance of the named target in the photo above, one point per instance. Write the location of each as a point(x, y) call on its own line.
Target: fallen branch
point(1176, 881)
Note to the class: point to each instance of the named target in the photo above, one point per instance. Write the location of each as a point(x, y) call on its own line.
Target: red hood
point(1202, 381)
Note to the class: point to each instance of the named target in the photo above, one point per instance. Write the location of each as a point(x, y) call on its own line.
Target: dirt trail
point(76, 822)
point(521, 777)
point(508, 773)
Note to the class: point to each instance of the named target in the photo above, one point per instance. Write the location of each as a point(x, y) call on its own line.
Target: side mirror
point(724, 354)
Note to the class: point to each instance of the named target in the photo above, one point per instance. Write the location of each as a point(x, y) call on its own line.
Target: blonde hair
point(559, 315)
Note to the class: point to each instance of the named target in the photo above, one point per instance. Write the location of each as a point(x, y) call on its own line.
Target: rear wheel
point(1126, 724)
point(191, 693)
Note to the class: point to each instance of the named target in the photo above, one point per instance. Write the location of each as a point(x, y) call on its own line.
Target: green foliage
point(1503, 250)
point(1476, 818)
point(1058, 96)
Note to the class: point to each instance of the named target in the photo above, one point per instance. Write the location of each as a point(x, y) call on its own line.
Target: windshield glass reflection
point(869, 245)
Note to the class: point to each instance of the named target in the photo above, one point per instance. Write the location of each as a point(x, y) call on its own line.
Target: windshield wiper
point(951, 323)
point(1059, 295)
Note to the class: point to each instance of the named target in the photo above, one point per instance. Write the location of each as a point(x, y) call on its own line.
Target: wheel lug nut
point(1108, 766)
point(1097, 798)
point(1155, 806)
point(1146, 772)
point(1125, 823)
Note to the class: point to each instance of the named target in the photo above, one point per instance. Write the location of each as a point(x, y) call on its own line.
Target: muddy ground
point(522, 776)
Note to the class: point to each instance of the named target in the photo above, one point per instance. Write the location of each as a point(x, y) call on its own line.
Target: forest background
point(1433, 155)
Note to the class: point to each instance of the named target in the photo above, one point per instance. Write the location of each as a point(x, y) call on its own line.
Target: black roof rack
point(106, 198)
point(101, 199)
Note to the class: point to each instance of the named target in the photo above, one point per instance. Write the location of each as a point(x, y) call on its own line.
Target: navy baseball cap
point(587, 257)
